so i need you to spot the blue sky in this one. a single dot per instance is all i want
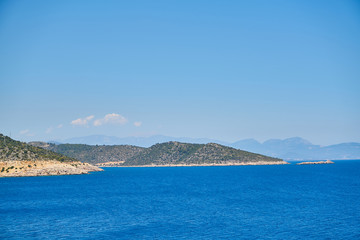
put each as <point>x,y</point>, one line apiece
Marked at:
<point>227,70</point>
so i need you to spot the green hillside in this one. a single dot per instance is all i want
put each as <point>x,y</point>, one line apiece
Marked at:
<point>12,150</point>
<point>93,154</point>
<point>186,153</point>
<point>170,153</point>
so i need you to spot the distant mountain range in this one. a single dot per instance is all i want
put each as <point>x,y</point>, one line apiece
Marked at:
<point>288,149</point>
<point>300,149</point>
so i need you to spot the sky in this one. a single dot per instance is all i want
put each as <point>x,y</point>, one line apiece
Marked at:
<point>226,70</point>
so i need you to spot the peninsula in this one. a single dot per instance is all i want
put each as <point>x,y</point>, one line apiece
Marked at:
<point>162,154</point>
<point>18,159</point>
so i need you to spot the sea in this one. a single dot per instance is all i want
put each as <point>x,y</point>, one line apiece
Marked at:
<point>225,202</point>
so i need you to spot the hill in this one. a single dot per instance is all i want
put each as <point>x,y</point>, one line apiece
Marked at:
<point>12,150</point>
<point>170,153</point>
<point>96,154</point>
<point>176,153</point>
<point>21,159</point>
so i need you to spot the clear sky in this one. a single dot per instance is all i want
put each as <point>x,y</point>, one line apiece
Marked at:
<point>226,70</point>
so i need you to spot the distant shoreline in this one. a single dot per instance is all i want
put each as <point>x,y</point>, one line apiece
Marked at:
<point>204,165</point>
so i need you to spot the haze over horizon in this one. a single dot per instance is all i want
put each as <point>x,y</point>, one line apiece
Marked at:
<point>206,69</point>
<point>147,141</point>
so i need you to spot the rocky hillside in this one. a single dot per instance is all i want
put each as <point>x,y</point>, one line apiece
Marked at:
<point>93,154</point>
<point>175,153</point>
<point>21,159</point>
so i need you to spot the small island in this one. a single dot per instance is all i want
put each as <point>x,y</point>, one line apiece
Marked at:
<point>318,162</point>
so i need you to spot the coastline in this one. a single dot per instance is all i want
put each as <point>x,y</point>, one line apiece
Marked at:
<point>207,165</point>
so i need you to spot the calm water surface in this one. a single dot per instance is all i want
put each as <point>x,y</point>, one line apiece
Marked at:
<point>249,202</point>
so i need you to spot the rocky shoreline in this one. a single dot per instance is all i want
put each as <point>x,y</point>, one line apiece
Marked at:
<point>33,168</point>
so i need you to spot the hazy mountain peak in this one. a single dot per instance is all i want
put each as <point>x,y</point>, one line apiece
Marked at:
<point>248,141</point>
<point>297,140</point>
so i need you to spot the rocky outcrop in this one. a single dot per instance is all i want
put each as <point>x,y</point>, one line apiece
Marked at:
<point>318,162</point>
<point>44,168</point>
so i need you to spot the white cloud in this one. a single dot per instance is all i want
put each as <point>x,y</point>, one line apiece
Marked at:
<point>59,126</point>
<point>137,124</point>
<point>23,132</point>
<point>111,118</point>
<point>82,121</point>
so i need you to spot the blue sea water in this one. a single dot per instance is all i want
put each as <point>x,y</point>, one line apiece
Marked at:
<point>234,202</point>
